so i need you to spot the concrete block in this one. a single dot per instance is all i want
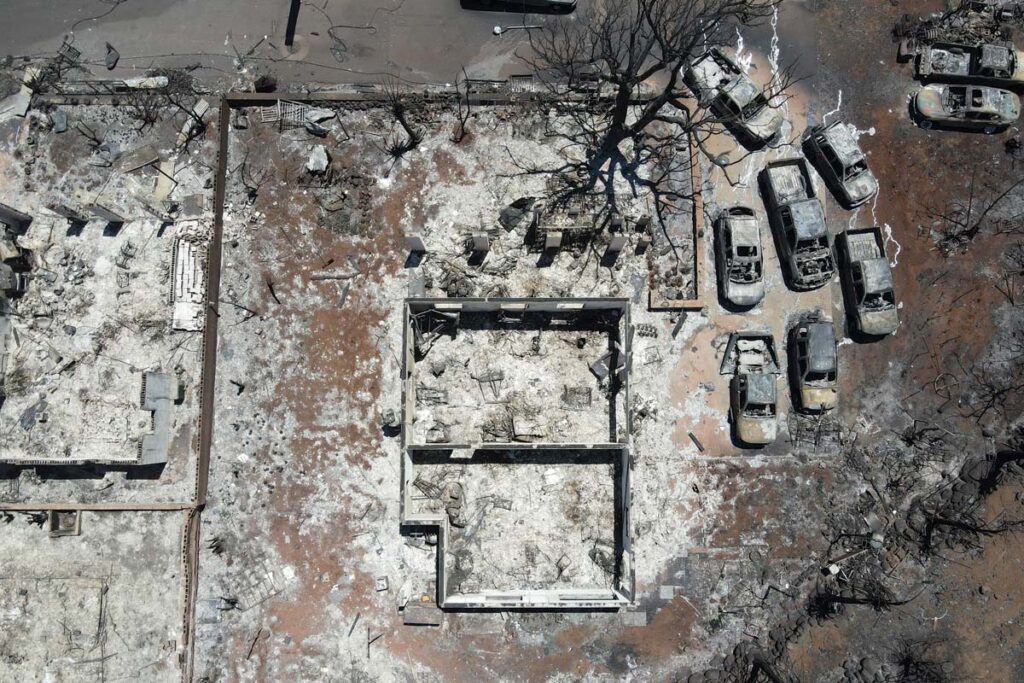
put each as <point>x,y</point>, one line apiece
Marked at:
<point>634,619</point>
<point>106,214</point>
<point>422,614</point>
<point>481,243</point>
<point>415,243</point>
<point>617,244</point>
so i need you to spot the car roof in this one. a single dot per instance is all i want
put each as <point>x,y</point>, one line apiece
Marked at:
<point>808,219</point>
<point>877,275</point>
<point>742,90</point>
<point>840,137</point>
<point>988,99</point>
<point>760,388</point>
<point>821,346</point>
<point>980,98</point>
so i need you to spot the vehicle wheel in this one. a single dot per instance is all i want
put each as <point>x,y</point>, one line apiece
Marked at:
<point>989,130</point>
<point>926,124</point>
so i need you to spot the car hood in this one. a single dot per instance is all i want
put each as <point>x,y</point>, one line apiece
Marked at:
<point>861,188</point>
<point>757,430</point>
<point>818,398</point>
<point>744,294</point>
<point>879,322</point>
<point>928,102</point>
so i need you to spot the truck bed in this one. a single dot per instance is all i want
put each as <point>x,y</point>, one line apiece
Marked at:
<point>864,244</point>
<point>790,181</point>
<point>750,352</point>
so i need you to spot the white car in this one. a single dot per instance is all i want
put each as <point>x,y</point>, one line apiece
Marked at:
<point>739,258</point>
<point>971,107</point>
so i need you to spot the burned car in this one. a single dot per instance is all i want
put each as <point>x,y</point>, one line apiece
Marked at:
<point>835,153</point>
<point>751,360</point>
<point>991,64</point>
<point>739,259</point>
<point>972,107</point>
<point>805,247</point>
<point>813,363</point>
<point>867,281</point>
<point>720,84</point>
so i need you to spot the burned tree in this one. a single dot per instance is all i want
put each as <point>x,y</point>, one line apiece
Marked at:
<point>953,517</point>
<point>148,105</point>
<point>596,70</point>
<point>1011,275</point>
<point>252,177</point>
<point>866,590</point>
<point>462,107</point>
<point>921,661</point>
<point>995,387</point>
<point>398,103</point>
<point>145,106</point>
<point>182,95</point>
<point>989,207</point>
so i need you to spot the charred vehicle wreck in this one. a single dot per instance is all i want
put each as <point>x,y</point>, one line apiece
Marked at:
<point>805,247</point>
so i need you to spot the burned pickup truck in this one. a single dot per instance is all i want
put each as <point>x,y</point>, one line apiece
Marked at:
<point>805,247</point>
<point>990,64</point>
<point>751,360</point>
<point>719,83</point>
<point>867,281</point>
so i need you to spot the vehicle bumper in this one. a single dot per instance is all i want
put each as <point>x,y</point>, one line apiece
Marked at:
<point>817,399</point>
<point>744,295</point>
<point>879,323</point>
<point>757,430</point>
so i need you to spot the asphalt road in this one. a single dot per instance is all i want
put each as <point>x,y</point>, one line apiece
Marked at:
<point>416,40</point>
<point>420,41</point>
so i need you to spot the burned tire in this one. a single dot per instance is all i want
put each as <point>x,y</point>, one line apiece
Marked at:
<point>925,124</point>
<point>989,130</point>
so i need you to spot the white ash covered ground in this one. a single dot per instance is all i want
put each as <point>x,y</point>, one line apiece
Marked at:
<point>97,312</point>
<point>105,605</point>
<point>84,332</point>
<point>303,474</point>
<point>485,185</point>
<point>528,383</point>
<point>541,521</point>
